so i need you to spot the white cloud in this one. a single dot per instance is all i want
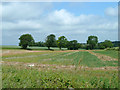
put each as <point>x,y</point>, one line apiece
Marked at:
<point>0,9</point>
<point>62,16</point>
<point>22,11</point>
<point>21,25</point>
<point>66,18</point>
<point>111,11</point>
<point>68,21</point>
<point>19,18</point>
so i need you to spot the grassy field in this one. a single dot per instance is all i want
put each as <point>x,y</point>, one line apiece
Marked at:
<point>58,69</point>
<point>111,53</point>
<point>20,77</point>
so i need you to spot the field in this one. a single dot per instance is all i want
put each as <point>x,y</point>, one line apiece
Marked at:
<point>41,68</point>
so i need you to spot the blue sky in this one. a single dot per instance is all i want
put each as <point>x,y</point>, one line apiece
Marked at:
<point>76,21</point>
<point>96,8</point>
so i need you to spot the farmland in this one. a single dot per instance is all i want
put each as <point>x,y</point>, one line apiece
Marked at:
<point>59,68</point>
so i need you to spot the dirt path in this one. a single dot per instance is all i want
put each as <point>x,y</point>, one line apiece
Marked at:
<point>103,57</point>
<point>13,52</point>
<point>54,66</point>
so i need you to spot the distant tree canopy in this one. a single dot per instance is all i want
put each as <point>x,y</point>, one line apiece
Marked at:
<point>106,44</point>
<point>50,41</point>
<point>116,43</point>
<point>26,40</point>
<point>39,44</point>
<point>62,42</point>
<point>92,42</point>
<point>73,45</point>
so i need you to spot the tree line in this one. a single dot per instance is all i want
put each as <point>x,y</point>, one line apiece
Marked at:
<point>62,42</point>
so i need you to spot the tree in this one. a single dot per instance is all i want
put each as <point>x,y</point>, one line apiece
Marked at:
<point>73,45</point>
<point>50,41</point>
<point>41,44</point>
<point>26,40</point>
<point>61,42</point>
<point>101,45</point>
<point>107,43</point>
<point>92,42</point>
<point>38,44</point>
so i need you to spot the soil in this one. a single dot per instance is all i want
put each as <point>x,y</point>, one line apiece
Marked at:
<point>54,66</point>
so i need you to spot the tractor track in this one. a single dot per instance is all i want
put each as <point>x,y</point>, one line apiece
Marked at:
<point>54,66</point>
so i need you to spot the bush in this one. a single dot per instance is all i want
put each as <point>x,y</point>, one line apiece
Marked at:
<point>114,48</point>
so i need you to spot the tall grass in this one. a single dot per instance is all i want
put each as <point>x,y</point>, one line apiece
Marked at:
<point>16,77</point>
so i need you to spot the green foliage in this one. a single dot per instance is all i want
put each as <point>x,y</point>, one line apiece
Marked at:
<point>17,77</point>
<point>39,44</point>
<point>105,44</point>
<point>13,47</point>
<point>62,42</point>
<point>22,76</point>
<point>34,79</point>
<point>92,42</point>
<point>50,41</point>
<point>73,45</point>
<point>101,46</point>
<point>108,43</point>
<point>26,40</point>
<point>116,43</point>
<point>113,48</point>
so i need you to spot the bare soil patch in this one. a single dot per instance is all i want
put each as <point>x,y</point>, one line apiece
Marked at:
<point>54,66</point>
<point>38,51</point>
<point>12,52</point>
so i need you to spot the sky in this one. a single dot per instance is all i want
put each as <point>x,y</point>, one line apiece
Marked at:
<point>76,21</point>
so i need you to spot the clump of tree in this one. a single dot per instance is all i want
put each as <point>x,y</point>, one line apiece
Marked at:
<point>91,42</point>
<point>50,41</point>
<point>116,43</point>
<point>62,42</point>
<point>26,40</point>
<point>106,44</point>
<point>73,45</point>
<point>38,44</point>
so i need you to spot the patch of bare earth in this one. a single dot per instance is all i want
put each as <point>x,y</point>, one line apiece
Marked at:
<point>39,51</point>
<point>54,66</point>
<point>103,57</point>
<point>12,52</point>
